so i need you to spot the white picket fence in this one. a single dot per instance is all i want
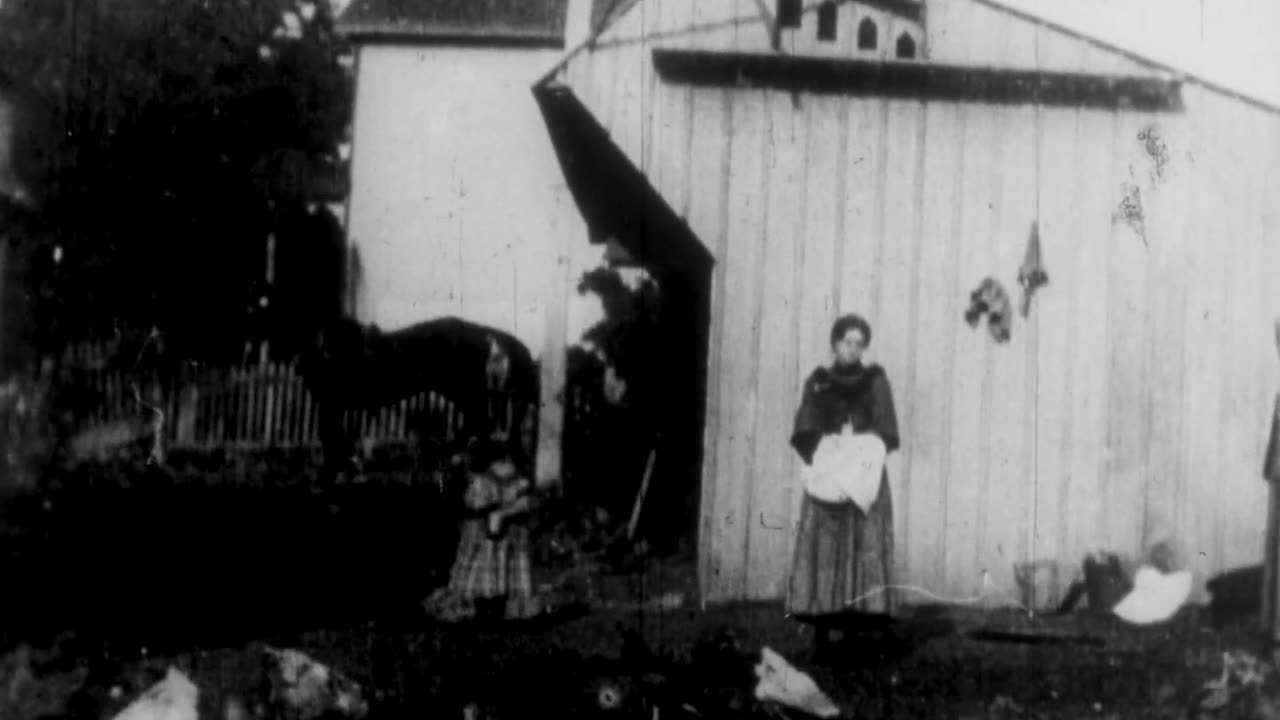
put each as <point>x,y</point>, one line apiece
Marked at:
<point>256,405</point>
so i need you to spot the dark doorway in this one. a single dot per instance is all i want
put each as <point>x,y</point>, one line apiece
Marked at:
<point>668,404</point>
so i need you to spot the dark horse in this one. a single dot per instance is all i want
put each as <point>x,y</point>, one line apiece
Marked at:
<point>359,367</point>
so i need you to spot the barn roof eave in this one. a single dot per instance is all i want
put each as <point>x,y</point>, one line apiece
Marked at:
<point>916,80</point>
<point>1177,73</point>
<point>1141,59</point>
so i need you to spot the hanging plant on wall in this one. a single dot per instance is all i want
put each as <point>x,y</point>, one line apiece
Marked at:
<point>1130,212</point>
<point>1031,274</point>
<point>1158,150</point>
<point>991,300</point>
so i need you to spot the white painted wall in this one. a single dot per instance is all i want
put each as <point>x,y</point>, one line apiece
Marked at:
<point>457,197</point>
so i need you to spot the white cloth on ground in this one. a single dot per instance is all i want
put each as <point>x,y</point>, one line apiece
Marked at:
<point>1155,597</point>
<point>173,698</point>
<point>781,683</point>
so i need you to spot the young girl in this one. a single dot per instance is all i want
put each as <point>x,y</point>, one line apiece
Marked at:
<point>491,574</point>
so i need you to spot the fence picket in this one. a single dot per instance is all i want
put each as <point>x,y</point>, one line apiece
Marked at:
<point>290,406</point>
<point>277,405</point>
<point>227,413</point>
<point>302,400</point>
<point>252,407</point>
<point>250,411</point>
<point>244,409</point>
<point>308,418</point>
<point>218,415</point>
<point>400,414</point>
<point>272,401</point>
<point>234,414</point>
<point>257,408</point>
<point>218,425</point>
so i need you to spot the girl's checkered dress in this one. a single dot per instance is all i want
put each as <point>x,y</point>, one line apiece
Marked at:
<point>489,566</point>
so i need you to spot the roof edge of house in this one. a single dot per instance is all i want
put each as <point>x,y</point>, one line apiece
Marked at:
<point>414,34</point>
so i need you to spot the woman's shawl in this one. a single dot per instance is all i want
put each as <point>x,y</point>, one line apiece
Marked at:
<point>860,396</point>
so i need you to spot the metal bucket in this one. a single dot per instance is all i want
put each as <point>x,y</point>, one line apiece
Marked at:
<point>1038,586</point>
<point>1106,582</point>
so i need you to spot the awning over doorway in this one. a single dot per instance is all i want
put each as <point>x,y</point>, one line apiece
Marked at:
<point>613,195</point>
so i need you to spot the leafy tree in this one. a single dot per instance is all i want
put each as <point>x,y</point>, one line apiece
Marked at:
<point>158,139</point>
<point>610,449</point>
<point>629,337</point>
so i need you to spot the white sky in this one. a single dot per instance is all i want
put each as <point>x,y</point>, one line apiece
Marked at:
<point>1235,43</point>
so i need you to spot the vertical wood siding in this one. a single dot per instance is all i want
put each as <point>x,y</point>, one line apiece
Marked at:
<point>1129,407</point>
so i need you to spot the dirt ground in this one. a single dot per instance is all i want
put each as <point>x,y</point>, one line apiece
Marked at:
<point>937,664</point>
<point>103,589</point>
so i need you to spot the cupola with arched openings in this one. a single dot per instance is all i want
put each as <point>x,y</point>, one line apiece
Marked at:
<point>884,29</point>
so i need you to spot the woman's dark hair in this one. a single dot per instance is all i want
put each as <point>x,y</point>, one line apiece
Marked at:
<point>850,322</point>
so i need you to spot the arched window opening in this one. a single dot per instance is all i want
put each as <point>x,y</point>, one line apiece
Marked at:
<point>789,13</point>
<point>828,14</point>
<point>906,46</point>
<point>867,34</point>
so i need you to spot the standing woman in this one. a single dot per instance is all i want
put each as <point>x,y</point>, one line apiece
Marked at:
<point>843,558</point>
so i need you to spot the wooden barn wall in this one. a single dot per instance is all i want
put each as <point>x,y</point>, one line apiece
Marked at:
<point>1130,406</point>
<point>653,121</point>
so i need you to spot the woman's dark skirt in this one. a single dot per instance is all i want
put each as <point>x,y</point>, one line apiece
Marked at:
<point>843,558</point>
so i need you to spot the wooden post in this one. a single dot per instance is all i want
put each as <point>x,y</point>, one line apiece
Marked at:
<point>267,383</point>
<point>641,494</point>
<point>554,365</point>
